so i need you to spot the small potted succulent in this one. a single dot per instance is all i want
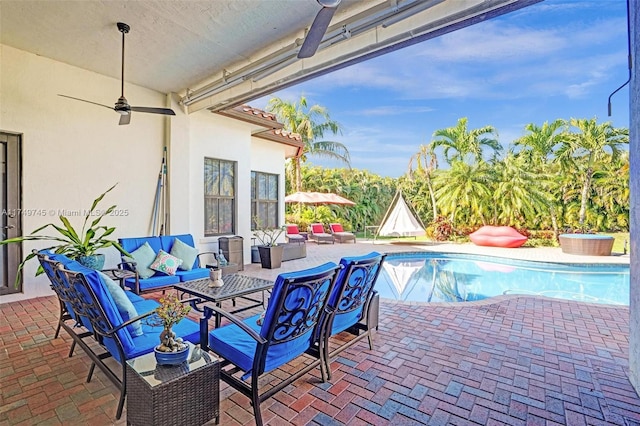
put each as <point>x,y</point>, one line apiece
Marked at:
<point>172,350</point>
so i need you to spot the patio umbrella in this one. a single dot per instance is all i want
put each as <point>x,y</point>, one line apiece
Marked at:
<point>317,198</point>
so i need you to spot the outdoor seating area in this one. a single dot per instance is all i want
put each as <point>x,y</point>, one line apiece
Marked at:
<point>430,363</point>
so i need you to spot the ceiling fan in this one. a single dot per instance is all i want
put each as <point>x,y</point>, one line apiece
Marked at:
<point>318,28</point>
<point>122,106</point>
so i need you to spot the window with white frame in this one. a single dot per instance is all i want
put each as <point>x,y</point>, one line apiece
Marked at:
<point>264,200</point>
<point>219,197</point>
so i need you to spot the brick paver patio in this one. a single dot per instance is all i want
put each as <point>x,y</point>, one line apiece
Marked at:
<point>510,360</point>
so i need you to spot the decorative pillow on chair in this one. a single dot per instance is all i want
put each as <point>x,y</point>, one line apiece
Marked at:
<point>317,229</point>
<point>184,252</point>
<point>143,256</point>
<point>166,263</point>
<point>124,305</point>
<point>336,227</point>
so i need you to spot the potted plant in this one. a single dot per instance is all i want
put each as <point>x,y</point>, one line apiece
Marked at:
<point>270,251</point>
<point>81,246</point>
<point>172,350</point>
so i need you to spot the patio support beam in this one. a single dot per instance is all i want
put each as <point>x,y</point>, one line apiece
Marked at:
<point>634,160</point>
<point>346,43</point>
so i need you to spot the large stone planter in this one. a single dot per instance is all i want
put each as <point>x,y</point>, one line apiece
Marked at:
<point>586,244</point>
<point>271,256</point>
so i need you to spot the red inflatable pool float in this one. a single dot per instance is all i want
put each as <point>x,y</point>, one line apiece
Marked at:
<point>497,236</point>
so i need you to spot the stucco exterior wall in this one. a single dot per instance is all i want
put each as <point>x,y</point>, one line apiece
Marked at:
<point>634,160</point>
<point>73,151</point>
<point>214,136</point>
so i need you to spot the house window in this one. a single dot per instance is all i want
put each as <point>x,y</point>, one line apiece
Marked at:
<point>219,197</point>
<point>264,200</point>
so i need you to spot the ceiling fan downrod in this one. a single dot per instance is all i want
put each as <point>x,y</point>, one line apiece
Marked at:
<point>124,29</point>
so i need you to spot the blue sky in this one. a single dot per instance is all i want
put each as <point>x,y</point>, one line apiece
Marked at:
<point>555,59</point>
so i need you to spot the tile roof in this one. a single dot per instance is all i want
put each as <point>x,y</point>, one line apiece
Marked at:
<point>274,130</point>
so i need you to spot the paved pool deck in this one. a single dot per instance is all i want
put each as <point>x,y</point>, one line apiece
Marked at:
<point>510,360</point>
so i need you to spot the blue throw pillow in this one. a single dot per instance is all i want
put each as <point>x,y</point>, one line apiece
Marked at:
<point>184,251</point>
<point>124,305</point>
<point>144,257</point>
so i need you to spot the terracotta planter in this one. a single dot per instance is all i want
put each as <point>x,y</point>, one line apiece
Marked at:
<point>271,256</point>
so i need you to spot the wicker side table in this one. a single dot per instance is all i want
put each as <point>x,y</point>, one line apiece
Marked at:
<point>168,395</point>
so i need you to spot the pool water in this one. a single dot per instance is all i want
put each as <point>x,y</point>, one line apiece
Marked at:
<point>437,277</point>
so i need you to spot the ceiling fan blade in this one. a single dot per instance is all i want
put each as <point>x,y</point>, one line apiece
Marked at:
<point>316,32</point>
<point>89,102</point>
<point>125,119</point>
<point>151,110</point>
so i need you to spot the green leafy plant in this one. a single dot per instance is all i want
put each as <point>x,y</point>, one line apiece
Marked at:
<point>69,241</point>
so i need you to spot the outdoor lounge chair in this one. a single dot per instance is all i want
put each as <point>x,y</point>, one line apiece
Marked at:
<point>97,309</point>
<point>293,234</point>
<point>318,235</point>
<point>353,306</point>
<point>340,235</point>
<point>287,331</point>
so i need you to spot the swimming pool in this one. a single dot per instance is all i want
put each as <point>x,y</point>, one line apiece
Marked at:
<point>438,277</point>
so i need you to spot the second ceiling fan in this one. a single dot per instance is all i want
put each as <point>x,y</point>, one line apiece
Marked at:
<point>122,106</point>
<point>318,28</point>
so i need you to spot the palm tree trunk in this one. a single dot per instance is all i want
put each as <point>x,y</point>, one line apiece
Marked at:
<point>554,222</point>
<point>298,175</point>
<point>433,198</point>
<point>585,197</point>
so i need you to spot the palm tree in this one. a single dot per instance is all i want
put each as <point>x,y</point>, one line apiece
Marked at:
<point>538,147</point>
<point>426,164</point>
<point>465,142</point>
<point>539,143</point>
<point>583,151</point>
<point>519,195</point>
<point>311,123</point>
<point>464,192</point>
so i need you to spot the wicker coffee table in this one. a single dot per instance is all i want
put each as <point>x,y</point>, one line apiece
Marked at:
<point>188,393</point>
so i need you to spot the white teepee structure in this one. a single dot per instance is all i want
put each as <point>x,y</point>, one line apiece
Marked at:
<point>400,221</point>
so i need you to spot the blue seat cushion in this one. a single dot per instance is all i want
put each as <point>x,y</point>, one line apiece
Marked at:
<point>194,274</point>
<point>188,329</point>
<point>153,282</point>
<point>143,306</point>
<point>134,297</point>
<point>233,344</point>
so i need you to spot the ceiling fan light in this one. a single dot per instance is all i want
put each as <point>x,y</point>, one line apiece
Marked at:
<point>329,3</point>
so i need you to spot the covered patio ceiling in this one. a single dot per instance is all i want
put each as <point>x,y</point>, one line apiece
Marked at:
<point>222,53</point>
